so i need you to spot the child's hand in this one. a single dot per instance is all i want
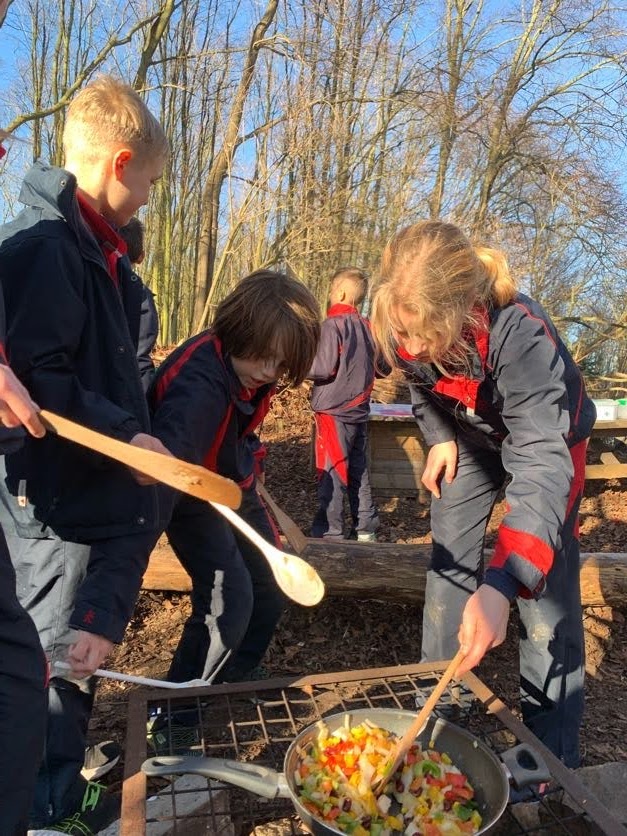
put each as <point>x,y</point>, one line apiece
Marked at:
<point>442,457</point>
<point>147,442</point>
<point>484,625</point>
<point>87,653</point>
<point>16,406</point>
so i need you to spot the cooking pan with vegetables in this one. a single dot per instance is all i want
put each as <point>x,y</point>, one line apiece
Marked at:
<point>451,779</point>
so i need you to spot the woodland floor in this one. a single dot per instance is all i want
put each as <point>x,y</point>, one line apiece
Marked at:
<point>346,634</point>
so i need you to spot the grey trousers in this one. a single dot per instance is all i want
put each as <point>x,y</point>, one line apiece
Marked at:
<point>551,640</point>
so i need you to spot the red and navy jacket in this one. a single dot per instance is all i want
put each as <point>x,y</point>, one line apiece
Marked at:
<point>343,370</point>
<point>201,412</point>
<point>525,398</point>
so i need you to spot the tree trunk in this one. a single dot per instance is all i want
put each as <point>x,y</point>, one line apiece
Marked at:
<point>395,572</point>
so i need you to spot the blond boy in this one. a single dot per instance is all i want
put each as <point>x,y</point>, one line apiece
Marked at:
<point>78,525</point>
<point>343,373</point>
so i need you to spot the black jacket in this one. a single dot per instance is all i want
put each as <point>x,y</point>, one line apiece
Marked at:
<point>72,340</point>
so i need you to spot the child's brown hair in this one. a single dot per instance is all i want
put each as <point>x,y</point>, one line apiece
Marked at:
<point>433,271</point>
<point>133,234</point>
<point>268,314</point>
<point>108,113</point>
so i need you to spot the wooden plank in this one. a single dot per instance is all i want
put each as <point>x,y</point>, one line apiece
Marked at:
<point>610,429</point>
<point>395,481</point>
<point>609,458</point>
<point>396,572</point>
<point>606,471</point>
<point>401,447</point>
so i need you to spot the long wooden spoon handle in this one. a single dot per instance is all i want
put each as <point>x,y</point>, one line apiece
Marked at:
<point>406,741</point>
<point>189,478</point>
<point>294,535</point>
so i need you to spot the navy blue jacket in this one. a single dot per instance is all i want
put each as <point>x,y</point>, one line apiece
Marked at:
<point>72,340</point>
<point>524,398</point>
<point>202,414</point>
<point>343,370</point>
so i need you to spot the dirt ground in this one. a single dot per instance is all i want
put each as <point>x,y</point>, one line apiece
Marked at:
<point>347,634</point>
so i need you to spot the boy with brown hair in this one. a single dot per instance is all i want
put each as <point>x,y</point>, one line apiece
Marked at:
<point>78,525</point>
<point>207,399</point>
<point>133,234</point>
<point>343,374</point>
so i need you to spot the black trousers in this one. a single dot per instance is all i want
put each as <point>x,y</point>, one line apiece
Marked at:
<point>23,704</point>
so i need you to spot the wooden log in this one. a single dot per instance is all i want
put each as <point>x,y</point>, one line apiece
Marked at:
<point>395,572</point>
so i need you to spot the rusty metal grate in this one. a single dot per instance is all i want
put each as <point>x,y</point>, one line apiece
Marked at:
<point>257,722</point>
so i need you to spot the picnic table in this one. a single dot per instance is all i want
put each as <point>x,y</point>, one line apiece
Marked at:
<point>397,452</point>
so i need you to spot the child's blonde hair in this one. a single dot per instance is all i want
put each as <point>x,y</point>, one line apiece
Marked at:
<point>354,277</point>
<point>107,113</point>
<point>433,271</point>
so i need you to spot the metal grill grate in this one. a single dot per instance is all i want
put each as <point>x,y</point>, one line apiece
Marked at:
<point>257,722</point>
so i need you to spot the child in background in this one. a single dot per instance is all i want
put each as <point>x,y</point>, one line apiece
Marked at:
<point>78,525</point>
<point>133,234</point>
<point>343,374</point>
<point>496,395</point>
<point>207,399</point>
<point>23,669</point>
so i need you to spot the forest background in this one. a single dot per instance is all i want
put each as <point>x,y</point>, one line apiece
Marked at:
<point>304,133</point>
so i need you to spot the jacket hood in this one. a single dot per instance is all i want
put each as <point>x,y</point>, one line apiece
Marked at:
<point>52,189</point>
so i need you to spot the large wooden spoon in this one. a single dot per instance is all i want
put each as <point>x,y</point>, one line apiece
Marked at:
<point>189,478</point>
<point>402,747</point>
<point>298,580</point>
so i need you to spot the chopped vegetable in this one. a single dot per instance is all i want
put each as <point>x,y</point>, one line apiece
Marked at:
<point>427,795</point>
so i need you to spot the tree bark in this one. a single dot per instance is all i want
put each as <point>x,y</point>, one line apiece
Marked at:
<point>395,572</point>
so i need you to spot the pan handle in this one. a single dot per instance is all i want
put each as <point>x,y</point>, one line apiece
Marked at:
<point>249,776</point>
<point>525,765</point>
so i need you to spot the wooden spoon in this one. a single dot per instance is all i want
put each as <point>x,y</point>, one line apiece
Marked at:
<point>402,747</point>
<point>189,478</point>
<point>293,534</point>
<point>298,580</point>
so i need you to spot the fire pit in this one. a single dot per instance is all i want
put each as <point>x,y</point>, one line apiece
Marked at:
<point>257,721</point>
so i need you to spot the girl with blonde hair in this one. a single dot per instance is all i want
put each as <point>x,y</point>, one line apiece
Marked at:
<point>501,404</point>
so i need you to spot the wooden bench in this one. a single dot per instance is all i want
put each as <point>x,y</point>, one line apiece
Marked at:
<point>397,452</point>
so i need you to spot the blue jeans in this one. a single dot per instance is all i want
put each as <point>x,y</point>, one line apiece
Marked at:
<point>236,603</point>
<point>551,640</point>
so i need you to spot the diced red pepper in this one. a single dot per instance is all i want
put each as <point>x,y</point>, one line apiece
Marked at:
<point>455,779</point>
<point>435,782</point>
<point>459,794</point>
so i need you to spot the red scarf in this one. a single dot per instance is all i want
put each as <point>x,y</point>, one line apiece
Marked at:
<point>112,245</point>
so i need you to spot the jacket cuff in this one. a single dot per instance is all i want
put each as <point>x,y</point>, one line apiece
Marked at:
<point>502,581</point>
<point>98,621</point>
<point>530,580</point>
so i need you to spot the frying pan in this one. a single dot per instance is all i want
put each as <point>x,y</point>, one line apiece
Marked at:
<point>485,772</point>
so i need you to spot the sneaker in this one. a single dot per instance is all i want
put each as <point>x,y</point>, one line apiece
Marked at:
<point>366,537</point>
<point>98,810</point>
<point>170,737</point>
<point>100,759</point>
